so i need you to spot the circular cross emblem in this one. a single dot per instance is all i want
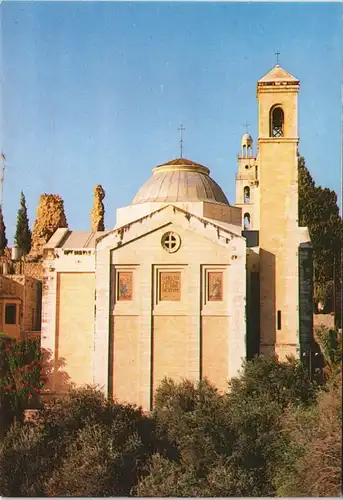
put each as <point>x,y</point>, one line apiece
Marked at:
<point>171,242</point>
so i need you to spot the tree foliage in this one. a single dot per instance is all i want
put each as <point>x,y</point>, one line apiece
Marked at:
<point>21,377</point>
<point>318,210</point>
<point>22,236</point>
<point>3,239</point>
<point>310,438</point>
<point>84,445</point>
<point>264,437</point>
<point>330,342</point>
<point>225,444</point>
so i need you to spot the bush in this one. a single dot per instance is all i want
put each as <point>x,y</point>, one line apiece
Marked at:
<point>311,440</point>
<point>281,382</point>
<point>24,457</point>
<point>84,445</point>
<point>262,438</point>
<point>225,444</point>
<point>21,377</point>
<point>330,342</point>
<point>101,461</point>
<point>166,478</point>
<point>192,418</point>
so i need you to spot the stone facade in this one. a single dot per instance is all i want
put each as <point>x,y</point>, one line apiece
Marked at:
<point>174,337</point>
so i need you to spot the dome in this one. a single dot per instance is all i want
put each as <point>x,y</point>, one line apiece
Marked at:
<point>246,139</point>
<point>180,180</point>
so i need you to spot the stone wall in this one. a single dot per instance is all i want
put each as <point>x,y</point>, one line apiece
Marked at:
<point>10,287</point>
<point>327,320</point>
<point>50,216</point>
<point>30,269</point>
<point>26,289</point>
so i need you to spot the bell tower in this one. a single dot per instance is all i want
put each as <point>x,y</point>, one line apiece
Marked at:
<point>279,235</point>
<point>247,192</point>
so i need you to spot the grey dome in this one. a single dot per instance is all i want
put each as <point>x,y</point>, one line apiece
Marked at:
<point>180,180</point>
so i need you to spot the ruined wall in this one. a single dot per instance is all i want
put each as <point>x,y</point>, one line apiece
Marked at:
<point>326,320</point>
<point>30,269</point>
<point>98,211</point>
<point>50,216</point>
<point>10,287</point>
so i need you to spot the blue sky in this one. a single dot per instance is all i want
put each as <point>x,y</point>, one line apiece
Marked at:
<point>95,92</point>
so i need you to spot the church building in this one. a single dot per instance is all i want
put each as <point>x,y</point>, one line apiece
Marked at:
<point>188,285</point>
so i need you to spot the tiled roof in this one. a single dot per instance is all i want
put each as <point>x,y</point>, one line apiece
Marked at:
<point>278,74</point>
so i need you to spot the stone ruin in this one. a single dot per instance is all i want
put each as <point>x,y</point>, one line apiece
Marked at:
<point>98,210</point>
<point>50,216</point>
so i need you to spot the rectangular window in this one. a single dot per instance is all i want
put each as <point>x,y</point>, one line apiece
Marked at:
<point>170,285</point>
<point>279,320</point>
<point>124,285</point>
<point>11,314</point>
<point>215,286</point>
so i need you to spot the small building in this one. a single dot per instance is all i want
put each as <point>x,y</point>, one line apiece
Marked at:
<point>20,306</point>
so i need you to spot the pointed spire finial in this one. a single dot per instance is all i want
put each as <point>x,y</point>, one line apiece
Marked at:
<point>277,53</point>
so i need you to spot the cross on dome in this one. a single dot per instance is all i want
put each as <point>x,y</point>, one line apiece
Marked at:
<point>181,129</point>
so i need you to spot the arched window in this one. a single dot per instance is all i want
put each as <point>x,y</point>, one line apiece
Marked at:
<point>244,150</point>
<point>246,194</point>
<point>246,222</point>
<point>276,122</point>
<point>249,150</point>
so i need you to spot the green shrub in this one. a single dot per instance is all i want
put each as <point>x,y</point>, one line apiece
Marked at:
<point>311,462</point>
<point>101,461</point>
<point>330,342</point>
<point>258,439</point>
<point>282,382</point>
<point>23,460</point>
<point>166,478</point>
<point>83,445</point>
<point>21,377</point>
<point>225,444</point>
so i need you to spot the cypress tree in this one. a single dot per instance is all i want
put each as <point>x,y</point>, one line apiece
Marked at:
<point>318,210</point>
<point>3,239</point>
<point>22,236</point>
